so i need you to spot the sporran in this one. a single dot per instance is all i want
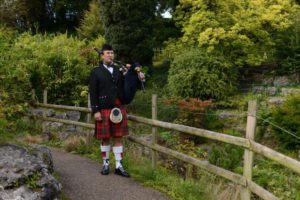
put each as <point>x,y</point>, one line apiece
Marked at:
<point>116,115</point>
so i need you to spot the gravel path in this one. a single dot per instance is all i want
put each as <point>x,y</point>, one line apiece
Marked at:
<point>81,180</point>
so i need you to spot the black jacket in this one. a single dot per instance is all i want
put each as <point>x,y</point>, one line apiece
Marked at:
<point>105,88</point>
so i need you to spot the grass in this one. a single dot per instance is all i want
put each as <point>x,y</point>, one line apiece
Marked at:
<point>163,180</point>
<point>33,139</point>
<point>74,143</point>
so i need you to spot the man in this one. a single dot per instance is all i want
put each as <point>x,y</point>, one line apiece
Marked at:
<point>108,103</point>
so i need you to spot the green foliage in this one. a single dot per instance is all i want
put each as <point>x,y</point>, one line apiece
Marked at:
<point>166,135</point>
<point>163,29</point>
<point>32,181</point>
<point>5,134</point>
<point>280,181</point>
<point>20,13</point>
<point>194,74</point>
<point>176,187</point>
<point>287,116</point>
<point>242,31</point>
<point>212,122</point>
<point>288,45</point>
<point>128,27</point>
<point>91,25</point>
<point>226,156</point>
<point>58,63</point>
<point>42,15</point>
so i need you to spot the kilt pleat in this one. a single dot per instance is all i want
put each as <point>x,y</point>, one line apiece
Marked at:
<point>106,129</point>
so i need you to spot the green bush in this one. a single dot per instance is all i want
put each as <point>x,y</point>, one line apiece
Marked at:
<point>287,116</point>
<point>280,181</point>
<point>227,156</point>
<point>288,48</point>
<point>194,74</point>
<point>59,63</point>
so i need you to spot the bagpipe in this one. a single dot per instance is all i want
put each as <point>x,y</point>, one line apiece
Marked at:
<point>132,79</point>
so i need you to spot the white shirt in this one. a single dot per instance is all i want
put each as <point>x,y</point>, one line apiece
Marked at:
<point>110,69</point>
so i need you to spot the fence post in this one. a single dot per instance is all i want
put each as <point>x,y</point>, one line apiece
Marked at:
<point>88,120</point>
<point>45,101</point>
<point>154,129</point>
<point>248,155</point>
<point>33,95</point>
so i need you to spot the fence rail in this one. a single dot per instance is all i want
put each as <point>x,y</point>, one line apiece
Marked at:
<point>247,143</point>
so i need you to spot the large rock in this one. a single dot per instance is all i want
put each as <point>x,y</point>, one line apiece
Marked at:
<point>27,174</point>
<point>44,154</point>
<point>69,128</point>
<point>268,81</point>
<point>60,115</point>
<point>258,89</point>
<point>73,115</point>
<point>21,193</point>
<point>225,115</point>
<point>271,91</point>
<point>37,112</point>
<point>55,126</point>
<point>276,100</point>
<point>64,135</point>
<point>281,81</point>
<point>50,113</point>
<point>288,91</point>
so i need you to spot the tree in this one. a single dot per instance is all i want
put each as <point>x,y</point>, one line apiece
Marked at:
<point>67,13</point>
<point>128,27</point>
<point>241,30</point>
<point>22,14</point>
<point>91,25</point>
<point>44,15</point>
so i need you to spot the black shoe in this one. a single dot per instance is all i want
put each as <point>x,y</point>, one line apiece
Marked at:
<point>121,171</point>
<point>105,170</point>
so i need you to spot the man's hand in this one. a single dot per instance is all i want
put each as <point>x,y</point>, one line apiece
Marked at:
<point>141,75</point>
<point>97,116</point>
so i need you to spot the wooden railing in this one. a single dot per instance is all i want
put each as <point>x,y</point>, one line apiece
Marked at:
<point>247,143</point>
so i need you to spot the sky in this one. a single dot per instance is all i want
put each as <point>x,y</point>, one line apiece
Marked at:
<point>167,14</point>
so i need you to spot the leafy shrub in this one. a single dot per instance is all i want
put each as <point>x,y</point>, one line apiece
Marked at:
<point>194,74</point>
<point>212,122</point>
<point>59,63</point>
<point>280,181</point>
<point>287,116</point>
<point>288,45</point>
<point>191,112</point>
<point>227,156</point>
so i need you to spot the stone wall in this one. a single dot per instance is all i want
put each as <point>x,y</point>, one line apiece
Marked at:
<point>59,130</point>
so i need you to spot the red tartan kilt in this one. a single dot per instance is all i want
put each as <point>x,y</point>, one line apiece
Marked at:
<point>106,129</point>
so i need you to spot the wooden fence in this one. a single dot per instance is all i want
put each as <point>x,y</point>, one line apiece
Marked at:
<point>247,143</point>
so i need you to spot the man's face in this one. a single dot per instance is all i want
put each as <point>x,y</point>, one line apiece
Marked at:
<point>107,56</point>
